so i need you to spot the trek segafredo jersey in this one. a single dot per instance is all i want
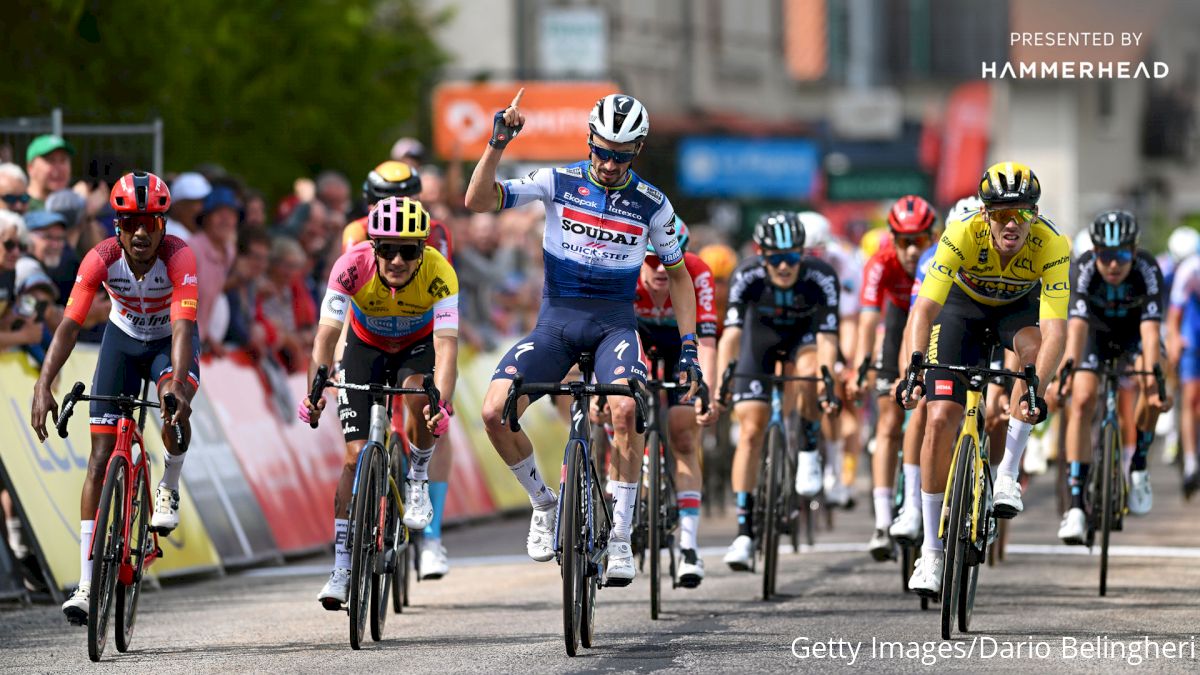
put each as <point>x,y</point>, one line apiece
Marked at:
<point>596,236</point>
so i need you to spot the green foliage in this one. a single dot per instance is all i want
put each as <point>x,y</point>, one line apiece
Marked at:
<point>270,89</point>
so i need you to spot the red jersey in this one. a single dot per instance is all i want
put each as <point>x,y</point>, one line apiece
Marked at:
<point>653,319</point>
<point>885,278</point>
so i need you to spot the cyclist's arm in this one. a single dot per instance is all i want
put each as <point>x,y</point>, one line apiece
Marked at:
<point>827,350</point>
<point>727,349</point>
<point>920,321</point>
<point>1054,342</point>
<point>483,192</point>
<point>1174,335</point>
<point>868,326</point>
<point>445,340</point>
<point>683,298</point>
<point>1077,330</point>
<point>324,344</point>
<point>92,272</point>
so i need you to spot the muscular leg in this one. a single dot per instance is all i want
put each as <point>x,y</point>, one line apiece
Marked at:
<point>941,426</point>
<point>685,445</point>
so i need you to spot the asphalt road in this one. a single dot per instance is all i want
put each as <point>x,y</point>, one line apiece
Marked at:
<point>497,611</point>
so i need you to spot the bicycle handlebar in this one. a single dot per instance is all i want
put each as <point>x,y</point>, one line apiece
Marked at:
<point>68,408</point>
<point>829,397</point>
<point>321,380</point>
<point>314,394</point>
<point>918,363</point>
<point>125,402</point>
<point>863,369</point>
<point>1157,372</point>
<point>520,388</point>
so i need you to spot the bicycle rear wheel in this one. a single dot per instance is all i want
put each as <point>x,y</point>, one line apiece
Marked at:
<point>1109,484</point>
<point>573,547</point>
<point>107,541</point>
<point>956,545</point>
<point>139,547</point>
<point>381,583</point>
<point>362,552</point>
<point>773,514</point>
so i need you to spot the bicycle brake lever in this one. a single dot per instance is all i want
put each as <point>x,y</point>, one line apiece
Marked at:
<point>1063,374</point>
<point>68,409</point>
<point>318,385</point>
<point>1158,380</point>
<point>171,405</point>
<point>830,395</point>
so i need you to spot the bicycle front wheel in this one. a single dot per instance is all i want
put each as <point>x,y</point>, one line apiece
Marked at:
<point>775,511</point>
<point>381,582</point>
<point>1109,485</point>
<point>958,531</point>
<point>140,546</point>
<point>362,536</point>
<point>655,511</point>
<point>574,547</point>
<point>107,542</point>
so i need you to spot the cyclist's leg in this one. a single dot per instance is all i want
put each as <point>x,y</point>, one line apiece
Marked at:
<point>808,460</point>
<point>161,369</point>
<point>889,427</point>
<point>1141,496</point>
<point>1189,374</point>
<point>618,360</point>
<point>408,367</point>
<point>1017,330</point>
<point>1085,384</point>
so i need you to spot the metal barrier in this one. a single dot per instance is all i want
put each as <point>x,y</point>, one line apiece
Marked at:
<point>102,151</point>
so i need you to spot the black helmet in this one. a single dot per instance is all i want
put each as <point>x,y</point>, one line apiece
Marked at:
<point>1114,229</point>
<point>779,230</point>
<point>1009,184</point>
<point>391,179</point>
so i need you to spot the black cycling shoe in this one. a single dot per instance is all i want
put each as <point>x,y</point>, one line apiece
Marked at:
<point>1191,483</point>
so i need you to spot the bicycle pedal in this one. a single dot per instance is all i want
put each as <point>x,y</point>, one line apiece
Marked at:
<point>332,605</point>
<point>162,531</point>
<point>77,618</point>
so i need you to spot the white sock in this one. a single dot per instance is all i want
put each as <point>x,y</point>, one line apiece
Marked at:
<point>1127,458</point>
<point>526,472</point>
<point>689,518</point>
<point>931,515</point>
<point>912,487</point>
<point>341,547</point>
<point>86,527</point>
<point>836,456</point>
<point>1018,435</point>
<point>624,496</point>
<point>418,463</point>
<point>15,541</point>
<point>172,469</point>
<point>1189,464</point>
<point>883,507</point>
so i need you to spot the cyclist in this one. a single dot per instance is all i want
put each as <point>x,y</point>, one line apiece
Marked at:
<point>1117,300</point>
<point>1183,348</point>
<point>722,261</point>
<point>985,276</point>
<point>780,301</point>
<point>399,179</point>
<point>889,275</point>
<point>152,335</point>
<point>658,330</point>
<point>600,216</point>
<point>401,297</point>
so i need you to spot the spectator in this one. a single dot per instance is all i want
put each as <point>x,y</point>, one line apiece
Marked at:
<point>286,307</point>
<point>16,327</point>
<point>187,199</point>
<point>254,211</point>
<point>333,190</point>
<point>48,162</point>
<point>484,270</point>
<point>14,188</point>
<point>410,151</point>
<point>215,246</point>
<point>47,235</point>
<point>245,279</point>
<point>71,207</point>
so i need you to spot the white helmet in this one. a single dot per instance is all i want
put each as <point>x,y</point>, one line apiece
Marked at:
<point>1183,242</point>
<point>817,229</point>
<point>618,118</point>
<point>1083,243</point>
<point>964,206</point>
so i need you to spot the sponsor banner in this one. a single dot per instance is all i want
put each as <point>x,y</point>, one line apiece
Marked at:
<point>48,477</point>
<point>726,166</point>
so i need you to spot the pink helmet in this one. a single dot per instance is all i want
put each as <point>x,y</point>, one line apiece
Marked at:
<point>398,218</point>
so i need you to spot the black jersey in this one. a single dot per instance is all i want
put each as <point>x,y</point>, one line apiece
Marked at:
<point>1119,308</point>
<point>812,303</point>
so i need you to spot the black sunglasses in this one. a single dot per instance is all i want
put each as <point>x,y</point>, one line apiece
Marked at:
<point>604,154</point>
<point>17,199</point>
<point>405,251</point>
<point>11,244</point>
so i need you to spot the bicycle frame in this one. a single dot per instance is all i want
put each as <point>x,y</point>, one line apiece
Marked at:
<point>972,427</point>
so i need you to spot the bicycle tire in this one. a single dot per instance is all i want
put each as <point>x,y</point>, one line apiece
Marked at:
<point>106,551</point>
<point>655,524</point>
<point>955,544</point>
<point>772,518</point>
<point>908,561</point>
<point>1110,447</point>
<point>591,581</point>
<point>362,542</point>
<point>127,599</point>
<point>381,583</point>
<point>572,547</point>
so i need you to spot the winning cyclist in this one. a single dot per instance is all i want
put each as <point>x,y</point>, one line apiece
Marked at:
<point>1117,300</point>
<point>780,302</point>
<point>889,275</point>
<point>152,335</point>
<point>600,215</point>
<point>401,297</point>
<point>985,275</point>
<point>659,330</point>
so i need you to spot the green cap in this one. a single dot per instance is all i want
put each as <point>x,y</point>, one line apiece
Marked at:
<point>46,144</point>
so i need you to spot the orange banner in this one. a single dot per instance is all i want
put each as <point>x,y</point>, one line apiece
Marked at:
<point>556,116</point>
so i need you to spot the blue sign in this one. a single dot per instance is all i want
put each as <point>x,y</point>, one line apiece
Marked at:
<point>723,166</point>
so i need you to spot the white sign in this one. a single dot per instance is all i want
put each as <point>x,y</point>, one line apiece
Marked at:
<point>573,42</point>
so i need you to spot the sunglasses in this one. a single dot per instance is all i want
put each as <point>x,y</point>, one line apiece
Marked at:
<point>604,154</point>
<point>907,240</point>
<point>151,221</point>
<point>1110,255</point>
<point>13,200</point>
<point>1022,216</point>
<point>405,251</point>
<point>776,259</point>
<point>11,244</point>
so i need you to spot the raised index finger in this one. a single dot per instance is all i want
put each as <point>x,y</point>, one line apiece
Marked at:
<point>517,99</point>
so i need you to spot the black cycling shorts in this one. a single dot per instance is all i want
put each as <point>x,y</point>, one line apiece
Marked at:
<point>1103,345</point>
<point>757,356</point>
<point>887,369</point>
<point>126,361</point>
<point>365,364</point>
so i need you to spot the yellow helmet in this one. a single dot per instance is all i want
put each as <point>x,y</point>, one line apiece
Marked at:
<point>872,240</point>
<point>398,218</point>
<point>1009,184</point>
<point>391,179</point>
<point>720,259</point>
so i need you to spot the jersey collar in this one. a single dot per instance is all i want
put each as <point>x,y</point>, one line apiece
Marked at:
<point>622,186</point>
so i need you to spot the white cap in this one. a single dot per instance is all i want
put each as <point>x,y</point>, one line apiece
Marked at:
<point>190,185</point>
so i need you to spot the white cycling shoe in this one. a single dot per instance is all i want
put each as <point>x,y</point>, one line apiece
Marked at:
<point>434,564</point>
<point>1006,497</point>
<point>926,578</point>
<point>166,510</point>
<point>540,542</point>
<point>418,509</point>
<point>1073,529</point>
<point>620,570</point>
<point>740,556</point>
<point>907,528</point>
<point>1141,497</point>
<point>76,606</point>
<point>691,568</point>
<point>333,595</point>
<point>808,474</point>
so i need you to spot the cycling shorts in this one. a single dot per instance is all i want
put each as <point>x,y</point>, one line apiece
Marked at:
<point>364,363</point>
<point>125,362</point>
<point>1104,345</point>
<point>887,369</point>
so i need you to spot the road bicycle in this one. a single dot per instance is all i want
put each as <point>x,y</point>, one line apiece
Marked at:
<point>969,527</point>
<point>378,539</point>
<point>584,516</point>
<point>123,543</point>
<point>777,507</point>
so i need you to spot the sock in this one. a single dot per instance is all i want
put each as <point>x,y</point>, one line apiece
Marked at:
<point>341,547</point>
<point>1018,435</point>
<point>526,472</point>
<point>912,487</point>
<point>418,463</point>
<point>836,454</point>
<point>437,497</point>
<point>1076,479</point>
<point>86,527</point>
<point>849,468</point>
<point>883,507</point>
<point>15,541</point>
<point>1126,457</point>
<point>745,513</point>
<point>1189,464</point>
<point>931,515</point>
<point>624,496</point>
<point>1144,439</point>
<point>172,469</point>
<point>812,434</point>
<point>689,518</point>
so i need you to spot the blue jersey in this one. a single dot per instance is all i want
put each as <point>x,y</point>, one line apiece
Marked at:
<point>596,236</point>
<point>922,268</point>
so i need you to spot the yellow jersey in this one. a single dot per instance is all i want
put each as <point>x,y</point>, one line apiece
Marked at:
<point>967,258</point>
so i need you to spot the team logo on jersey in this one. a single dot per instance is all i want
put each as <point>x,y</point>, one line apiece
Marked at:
<point>438,288</point>
<point>521,349</point>
<point>943,387</point>
<point>583,190</point>
<point>189,304</point>
<point>348,278</point>
<point>188,280</point>
<point>654,195</point>
<point>618,370</point>
<point>620,349</point>
<point>511,370</point>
